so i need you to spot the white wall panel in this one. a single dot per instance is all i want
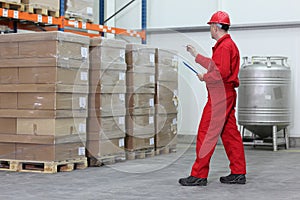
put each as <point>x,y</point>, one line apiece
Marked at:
<point>131,16</point>
<point>258,11</point>
<point>178,13</point>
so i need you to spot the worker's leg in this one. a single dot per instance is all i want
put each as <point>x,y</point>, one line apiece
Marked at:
<point>232,140</point>
<point>210,127</point>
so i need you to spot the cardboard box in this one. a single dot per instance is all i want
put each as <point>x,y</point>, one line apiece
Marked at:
<point>167,57</point>
<point>140,79</point>
<point>167,73</point>
<point>55,127</point>
<point>43,62</point>
<point>104,128</point>
<point>56,44</point>
<point>108,77</point>
<point>42,139</point>
<point>57,152</point>
<point>107,104</point>
<point>106,147</point>
<point>8,101</point>
<point>52,5</point>
<point>8,126</point>
<point>140,55</point>
<point>137,101</point>
<point>48,88</point>
<point>104,50</point>
<point>51,75</point>
<point>7,150</point>
<point>140,125</point>
<point>165,140</point>
<point>80,8</point>
<point>9,50</point>
<point>52,101</point>
<point>137,143</point>
<point>42,114</point>
<point>166,100</point>
<point>8,75</point>
<point>166,123</point>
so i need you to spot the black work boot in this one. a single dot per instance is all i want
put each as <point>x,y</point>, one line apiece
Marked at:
<point>193,181</point>
<point>234,179</point>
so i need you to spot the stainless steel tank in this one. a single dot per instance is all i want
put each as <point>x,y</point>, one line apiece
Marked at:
<point>264,95</point>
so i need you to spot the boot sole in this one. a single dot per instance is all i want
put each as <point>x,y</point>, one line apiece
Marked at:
<point>234,182</point>
<point>193,184</point>
<point>202,184</point>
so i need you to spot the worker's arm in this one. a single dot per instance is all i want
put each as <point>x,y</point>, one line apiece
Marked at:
<point>221,70</point>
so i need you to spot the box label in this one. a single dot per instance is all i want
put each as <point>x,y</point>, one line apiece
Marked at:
<point>122,76</point>
<point>84,52</point>
<point>175,61</point>
<point>121,142</point>
<point>174,122</point>
<point>121,120</point>
<point>82,102</point>
<point>151,102</point>
<point>122,55</point>
<point>81,151</point>
<point>175,92</point>
<point>152,58</point>
<point>152,79</point>
<point>82,128</point>
<point>122,97</point>
<point>151,120</point>
<point>84,76</point>
<point>151,141</point>
<point>89,11</point>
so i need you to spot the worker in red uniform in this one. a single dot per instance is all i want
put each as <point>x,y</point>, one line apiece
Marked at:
<point>218,116</point>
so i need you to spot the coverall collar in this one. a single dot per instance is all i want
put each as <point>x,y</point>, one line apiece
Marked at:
<point>221,40</point>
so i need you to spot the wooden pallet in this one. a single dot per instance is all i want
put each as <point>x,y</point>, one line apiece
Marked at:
<point>46,167</point>
<point>76,17</point>
<point>38,9</point>
<point>106,160</point>
<point>12,6</point>
<point>140,154</point>
<point>165,150</point>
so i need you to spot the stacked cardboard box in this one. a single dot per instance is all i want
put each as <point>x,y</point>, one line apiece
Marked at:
<point>52,5</point>
<point>80,9</point>
<point>12,1</point>
<point>43,96</point>
<point>140,61</point>
<point>106,122</point>
<point>166,100</point>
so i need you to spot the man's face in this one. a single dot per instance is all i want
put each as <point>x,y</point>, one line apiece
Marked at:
<point>213,31</point>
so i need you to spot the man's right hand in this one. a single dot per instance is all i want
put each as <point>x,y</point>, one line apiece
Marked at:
<point>192,50</point>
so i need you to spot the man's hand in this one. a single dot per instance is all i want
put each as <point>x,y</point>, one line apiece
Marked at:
<point>192,50</point>
<point>200,76</point>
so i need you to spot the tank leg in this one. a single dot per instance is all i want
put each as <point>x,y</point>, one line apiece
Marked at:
<point>242,131</point>
<point>286,136</point>
<point>274,138</point>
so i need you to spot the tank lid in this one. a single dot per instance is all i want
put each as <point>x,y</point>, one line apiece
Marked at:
<point>267,60</point>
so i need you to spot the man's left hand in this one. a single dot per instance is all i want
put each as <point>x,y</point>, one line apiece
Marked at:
<point>200,76</point>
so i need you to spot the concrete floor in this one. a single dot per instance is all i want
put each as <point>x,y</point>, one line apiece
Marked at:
<point>271,175</point>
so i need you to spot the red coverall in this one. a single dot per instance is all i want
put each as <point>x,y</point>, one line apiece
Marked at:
<point>219,112</point>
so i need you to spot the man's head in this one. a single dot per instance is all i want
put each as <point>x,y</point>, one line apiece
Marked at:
<point>219,24</point>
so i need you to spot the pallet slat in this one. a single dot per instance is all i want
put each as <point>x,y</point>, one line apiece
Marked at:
<point>43,167</point>
<point>106,160</point>
<point>37,9</point>
<point>140,154</point>
<point>12,5</point>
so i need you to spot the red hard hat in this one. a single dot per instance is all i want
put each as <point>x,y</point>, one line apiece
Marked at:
<point>220,17</point>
